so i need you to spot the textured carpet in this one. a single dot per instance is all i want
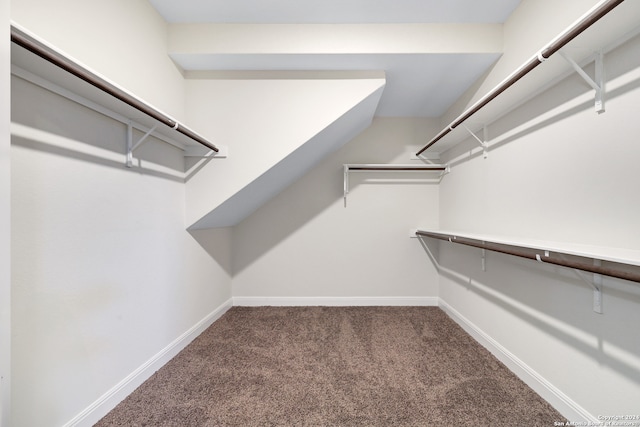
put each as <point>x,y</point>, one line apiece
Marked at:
<point>333,366</point>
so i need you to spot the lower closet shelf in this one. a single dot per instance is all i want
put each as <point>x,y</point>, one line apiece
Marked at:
<point>618,260</point>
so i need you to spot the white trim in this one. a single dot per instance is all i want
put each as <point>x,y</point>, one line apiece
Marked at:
<point>560,401</point>
<point>101,407</point>
<point>334,301</point>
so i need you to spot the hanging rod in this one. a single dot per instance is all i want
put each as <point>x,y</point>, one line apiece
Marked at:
<point>392,167</point>
<point>525,252</point>
<point>29,42</point>
<point>558,43</point>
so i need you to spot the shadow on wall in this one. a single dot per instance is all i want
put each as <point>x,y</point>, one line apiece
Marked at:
<point>51,144</point>
<point>217,243</point>
<point>385,140</point>
<point>549,298</point>
<point>523,119</point>
<point>44,121</point>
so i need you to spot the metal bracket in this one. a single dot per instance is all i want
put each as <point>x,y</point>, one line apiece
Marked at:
<point>346,184</point>
<point>598,83</point>
<point>482,142</point>
<point>131,147</point>
<point>198,151</point>
<point>597,289</point>
<point>539,259</point>
<point>596,283</point>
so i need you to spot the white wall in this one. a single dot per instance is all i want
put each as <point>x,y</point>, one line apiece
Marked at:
<point>304,243</point>
<point>104,275</point>
<point>557,171</point>
<point>123,40</point>
<point>5,214</point>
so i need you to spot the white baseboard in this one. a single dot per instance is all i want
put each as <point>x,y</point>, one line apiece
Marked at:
<point>111,398</point>
<point>334,301</point>
<point>560,401</point>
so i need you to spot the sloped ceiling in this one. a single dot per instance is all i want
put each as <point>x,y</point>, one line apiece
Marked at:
<point>431,51</point>
<point>292,165</point>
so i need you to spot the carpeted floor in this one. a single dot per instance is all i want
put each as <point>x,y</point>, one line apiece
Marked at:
<point>333,366</point>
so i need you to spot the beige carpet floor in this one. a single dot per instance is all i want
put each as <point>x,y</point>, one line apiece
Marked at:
<point>333,366</point>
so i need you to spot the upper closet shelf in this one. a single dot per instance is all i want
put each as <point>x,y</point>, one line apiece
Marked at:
<point>40,63</point>
<point>599,31</point>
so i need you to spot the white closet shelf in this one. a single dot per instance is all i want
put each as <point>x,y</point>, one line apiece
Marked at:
<point>545,249</point>
<point>36,61</point>
<point>587,39</point>
<point>389,167</point>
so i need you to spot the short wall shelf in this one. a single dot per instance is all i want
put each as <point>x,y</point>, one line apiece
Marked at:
<point>350,167</point>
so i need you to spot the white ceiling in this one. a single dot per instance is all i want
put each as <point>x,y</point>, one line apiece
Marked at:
<point>419,83</point>
<point>335,11</point>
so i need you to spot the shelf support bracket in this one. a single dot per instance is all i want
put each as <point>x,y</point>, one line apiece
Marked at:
<point>596,283</point>
<point>129,159</point>
<point>131,147</point>
<point>598,83</point>
<point>346,184</point>
<point>482,142</point>
<point>597,289</point>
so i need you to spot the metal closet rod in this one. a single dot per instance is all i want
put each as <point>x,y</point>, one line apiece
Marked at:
<point>558,43</point>
<point>521,252</point>
<point>392,168</point>
<point>21,39</point>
